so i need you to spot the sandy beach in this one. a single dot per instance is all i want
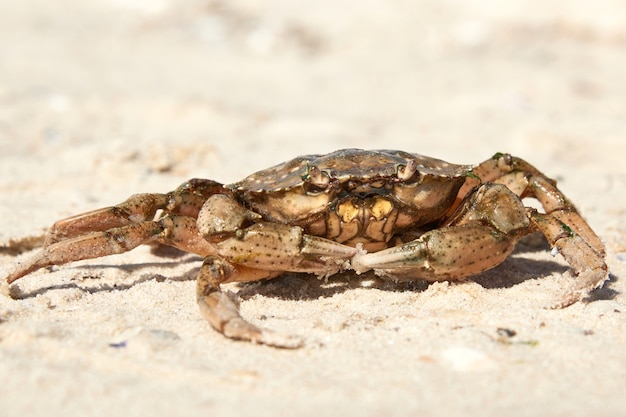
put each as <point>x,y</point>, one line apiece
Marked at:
<point>103,99</point>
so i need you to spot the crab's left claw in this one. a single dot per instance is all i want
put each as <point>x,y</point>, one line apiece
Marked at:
<point>482,234</point>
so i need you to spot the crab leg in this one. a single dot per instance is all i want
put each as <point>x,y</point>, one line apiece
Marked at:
<point>223,313</point>
<point>558,207</point>
<point>527,181</point>
<point>186,200</point>
<point>562,225</point>
<point>589,267</point>
<point>178,231</point>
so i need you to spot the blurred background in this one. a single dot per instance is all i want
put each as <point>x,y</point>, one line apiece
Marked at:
<point>103,98</point>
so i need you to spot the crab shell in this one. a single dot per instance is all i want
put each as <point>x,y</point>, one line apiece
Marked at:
<point>355,196</point>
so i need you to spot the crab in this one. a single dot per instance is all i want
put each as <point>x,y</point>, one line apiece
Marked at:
<point>402,215</point>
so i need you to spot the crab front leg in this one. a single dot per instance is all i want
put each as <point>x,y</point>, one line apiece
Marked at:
<point>249,249</point>
<point>479,236</point>
<point>223,313</point>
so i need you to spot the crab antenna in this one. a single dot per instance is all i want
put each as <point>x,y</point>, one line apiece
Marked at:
<point>405,172</point>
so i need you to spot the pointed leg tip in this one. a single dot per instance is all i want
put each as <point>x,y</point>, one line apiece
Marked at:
<point>14,275</point>
<point>279,340</point>
<point>239,329</point>
<point>568,300</point>
<point>22,269</point>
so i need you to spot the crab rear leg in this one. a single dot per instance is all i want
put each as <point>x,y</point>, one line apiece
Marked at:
<point>570,235</point>
<point>527,181</point>
<point>562,225</point>
<point>557,206</point>
<point>186,200</point>
<point>177,231</point>
<point>589,267</point>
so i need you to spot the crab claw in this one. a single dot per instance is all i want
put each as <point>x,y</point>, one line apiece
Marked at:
<point>279,247</point>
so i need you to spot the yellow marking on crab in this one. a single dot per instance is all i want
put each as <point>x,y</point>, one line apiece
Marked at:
<point>348,211</point>
<point>381,208</point>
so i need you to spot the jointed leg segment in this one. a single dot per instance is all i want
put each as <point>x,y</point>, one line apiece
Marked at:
<point>588,265</point>
<point>223,313</point>
<point>186,200</point>
<point>177,231</point>
<point>561,224</point>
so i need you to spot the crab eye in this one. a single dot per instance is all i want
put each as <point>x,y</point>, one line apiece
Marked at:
<point>407,172</point>
<point>316,181</point>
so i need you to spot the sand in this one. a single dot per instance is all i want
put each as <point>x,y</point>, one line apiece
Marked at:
<point>103,99</point>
